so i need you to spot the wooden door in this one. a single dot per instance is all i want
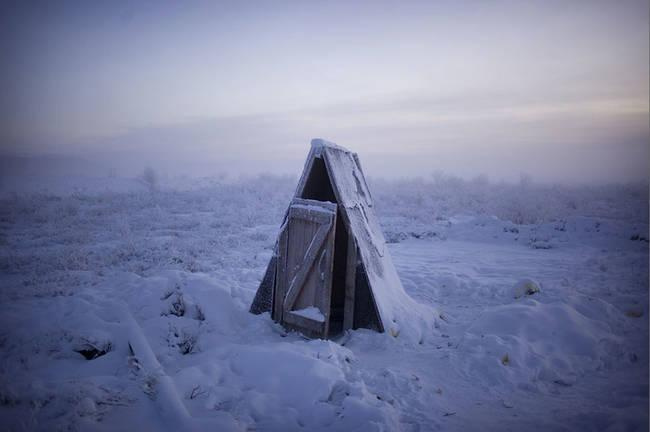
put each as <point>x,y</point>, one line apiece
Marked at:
<point>304,274</point>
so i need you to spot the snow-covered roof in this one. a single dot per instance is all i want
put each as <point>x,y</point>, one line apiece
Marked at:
<point>318,144</point>
<point>395,307</point>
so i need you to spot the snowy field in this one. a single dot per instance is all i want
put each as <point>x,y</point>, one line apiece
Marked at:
<point>124,306</point>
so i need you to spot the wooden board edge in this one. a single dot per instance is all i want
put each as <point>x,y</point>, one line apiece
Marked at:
<point>350,284</point>
<point>280,274</point>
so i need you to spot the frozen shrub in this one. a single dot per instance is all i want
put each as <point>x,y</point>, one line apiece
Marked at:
<point>185,340</point>
<point>177,306</point>
<point>189,227</point>
<point>150,179</point>
<point>187,343</point>
<point>524,202</point>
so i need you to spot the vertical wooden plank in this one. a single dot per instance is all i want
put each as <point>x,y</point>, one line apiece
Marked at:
<point>326,291</point>
<point>350,278</point>
<point>280,282</point>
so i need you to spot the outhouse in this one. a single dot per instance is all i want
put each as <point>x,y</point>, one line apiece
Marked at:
<point>331,270</point>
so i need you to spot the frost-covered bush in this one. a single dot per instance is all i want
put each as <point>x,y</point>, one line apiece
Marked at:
<point>150,179</point>
<point>210,224</point>
<point>525,202</point>
<point>54,237</point>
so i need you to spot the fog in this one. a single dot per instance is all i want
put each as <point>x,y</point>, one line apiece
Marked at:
<point>556,90</point>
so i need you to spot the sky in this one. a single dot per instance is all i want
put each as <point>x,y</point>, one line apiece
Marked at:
<point>554,89</point>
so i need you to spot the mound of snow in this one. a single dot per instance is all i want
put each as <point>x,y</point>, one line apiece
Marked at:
<point>525,287</point>
<point>544,343</point>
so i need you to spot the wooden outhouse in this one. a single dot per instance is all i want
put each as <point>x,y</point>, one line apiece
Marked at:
<point>331,270</point>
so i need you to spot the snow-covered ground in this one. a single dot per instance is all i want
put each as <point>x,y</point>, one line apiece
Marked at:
<point>125,306</point>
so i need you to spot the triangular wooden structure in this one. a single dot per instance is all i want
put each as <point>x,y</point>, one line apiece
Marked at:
<point>331,270</point>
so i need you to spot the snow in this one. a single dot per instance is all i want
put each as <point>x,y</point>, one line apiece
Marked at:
<point>320,144</point>
<point>311,312</point>
<point>158,283</point>
<point>525,287</point>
